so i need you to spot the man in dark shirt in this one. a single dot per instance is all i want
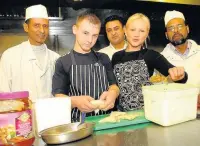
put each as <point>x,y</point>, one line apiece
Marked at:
<point>134,66</point>
<point>83,74</point>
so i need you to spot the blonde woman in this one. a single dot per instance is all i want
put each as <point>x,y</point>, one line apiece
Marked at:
<point>135,65</point>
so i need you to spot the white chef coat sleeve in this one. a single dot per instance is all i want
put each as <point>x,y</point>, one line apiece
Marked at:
<point>5,73</point>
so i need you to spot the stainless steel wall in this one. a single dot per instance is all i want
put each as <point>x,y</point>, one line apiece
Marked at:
<point>61,38</point>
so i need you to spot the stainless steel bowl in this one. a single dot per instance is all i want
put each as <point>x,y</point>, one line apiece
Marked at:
<point>66,133</point>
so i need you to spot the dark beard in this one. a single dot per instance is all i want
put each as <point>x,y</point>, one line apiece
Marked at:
<point>179,42</point>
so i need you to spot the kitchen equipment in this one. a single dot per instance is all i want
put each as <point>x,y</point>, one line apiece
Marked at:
<point>66,133</point>
<point>77,124</point>
<point>51,112</point>
<point>101,126</point>
<point>169,104</point>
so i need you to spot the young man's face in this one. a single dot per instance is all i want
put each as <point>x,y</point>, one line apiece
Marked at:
<point>115,32</point>
<point>38,30</point>
<point>86,35</point>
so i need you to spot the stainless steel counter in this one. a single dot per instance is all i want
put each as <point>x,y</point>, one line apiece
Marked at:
<point>149,134</point>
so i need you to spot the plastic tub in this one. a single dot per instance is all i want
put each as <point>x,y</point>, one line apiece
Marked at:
<point>169,104</point>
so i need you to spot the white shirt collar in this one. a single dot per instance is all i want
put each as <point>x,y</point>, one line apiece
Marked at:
<point>185,54</point>
<point>124,47</point>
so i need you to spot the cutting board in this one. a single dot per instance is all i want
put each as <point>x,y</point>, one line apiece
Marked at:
<point>101,126</point>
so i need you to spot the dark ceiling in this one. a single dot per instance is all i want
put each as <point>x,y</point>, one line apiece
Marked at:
<point>154,10</point>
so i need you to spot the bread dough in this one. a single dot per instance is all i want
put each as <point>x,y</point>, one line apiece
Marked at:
<point>117,116</point>
<point>99,104</point>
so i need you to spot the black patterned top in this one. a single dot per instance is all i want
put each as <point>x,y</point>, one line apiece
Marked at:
<point>132,70</point>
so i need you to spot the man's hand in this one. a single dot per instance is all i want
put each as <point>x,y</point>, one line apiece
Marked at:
<point>109,97</point>
<point>176,73</point>
<point>60,95</point>
<point>83,103</point>
<point>109,100</point>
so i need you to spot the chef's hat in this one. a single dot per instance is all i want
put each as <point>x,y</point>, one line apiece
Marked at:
<point>169,15</point>
<point>36,11</point>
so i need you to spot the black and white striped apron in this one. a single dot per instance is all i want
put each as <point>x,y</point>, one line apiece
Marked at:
<point>87,80</point>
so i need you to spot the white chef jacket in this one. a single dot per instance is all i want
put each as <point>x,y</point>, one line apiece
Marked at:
<point>110,50</point>
<point>20,71</point>
<point>191,62</point>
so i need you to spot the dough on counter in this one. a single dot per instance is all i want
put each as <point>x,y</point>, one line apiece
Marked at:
<point>109,120</point>
<point>117,116</point>
<point>117,113</point>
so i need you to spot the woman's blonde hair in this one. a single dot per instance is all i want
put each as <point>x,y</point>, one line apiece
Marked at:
<point>139,16</point>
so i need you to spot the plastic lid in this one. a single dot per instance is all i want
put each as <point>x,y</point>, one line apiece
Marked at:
<point>170,87</point>
<point>14,95</point>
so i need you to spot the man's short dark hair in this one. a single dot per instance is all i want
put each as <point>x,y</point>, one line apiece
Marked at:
<point>113,18</point>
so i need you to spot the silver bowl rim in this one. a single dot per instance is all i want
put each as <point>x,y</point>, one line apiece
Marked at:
<point>64,133</point>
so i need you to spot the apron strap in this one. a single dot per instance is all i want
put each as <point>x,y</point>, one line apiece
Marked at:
<point>74,60</point>
<point>72,57</point>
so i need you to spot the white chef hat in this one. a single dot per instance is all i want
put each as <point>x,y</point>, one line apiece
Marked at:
<point>169,15</point>
<point>36,11</point>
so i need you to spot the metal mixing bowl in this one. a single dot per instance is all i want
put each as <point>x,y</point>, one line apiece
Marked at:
<point>66,133</point>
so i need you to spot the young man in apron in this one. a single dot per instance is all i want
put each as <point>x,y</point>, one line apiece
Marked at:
<point>83,74</point>
<point>134,66</point>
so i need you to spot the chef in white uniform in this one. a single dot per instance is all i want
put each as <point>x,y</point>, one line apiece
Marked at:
<point>30,65</point>
<point>182,51</point>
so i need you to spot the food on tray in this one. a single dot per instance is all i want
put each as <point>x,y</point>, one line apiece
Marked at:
<point>109,120</point>
<point>117,116</point>
<point>158,78</point>
<point>99,104</point>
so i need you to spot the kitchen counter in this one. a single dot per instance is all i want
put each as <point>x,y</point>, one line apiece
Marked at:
<point>148,134</point>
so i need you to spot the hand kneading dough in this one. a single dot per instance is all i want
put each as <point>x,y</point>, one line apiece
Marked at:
<point>99,104</point>
<point>117,116</point>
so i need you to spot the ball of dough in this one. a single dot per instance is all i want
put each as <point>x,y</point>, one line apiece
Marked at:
<point>99,104</point>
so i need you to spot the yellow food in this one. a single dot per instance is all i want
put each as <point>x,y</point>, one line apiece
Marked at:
<point>158,78</point>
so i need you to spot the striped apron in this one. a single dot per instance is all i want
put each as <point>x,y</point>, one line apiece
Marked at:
<point>88,80</point>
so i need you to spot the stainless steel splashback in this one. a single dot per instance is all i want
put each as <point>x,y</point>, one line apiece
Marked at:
<point>58,43</point>
<point>61,43</point>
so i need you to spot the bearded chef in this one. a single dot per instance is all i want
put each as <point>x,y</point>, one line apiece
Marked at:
<point>182,51</point>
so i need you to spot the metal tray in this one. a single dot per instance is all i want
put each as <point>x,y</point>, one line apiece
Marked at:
<point>66,133</point>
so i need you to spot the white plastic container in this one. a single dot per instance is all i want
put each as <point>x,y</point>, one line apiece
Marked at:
<point>169,104</point>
